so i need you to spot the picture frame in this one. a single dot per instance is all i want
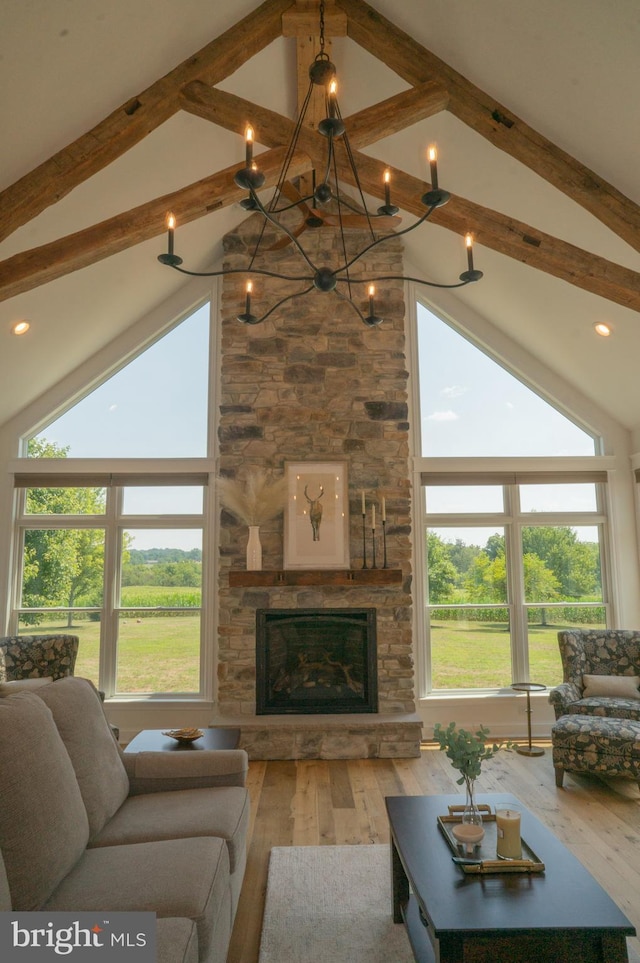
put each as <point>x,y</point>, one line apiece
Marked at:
<point>316,517</point>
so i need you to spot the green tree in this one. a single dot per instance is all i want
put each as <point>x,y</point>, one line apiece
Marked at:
<point>495,546</point>
<point>62,567</point>
<point>540,584</point>
<point>442,573</point>
<point>486,580</point>
<point>575,564</point>
<point>462,555</point>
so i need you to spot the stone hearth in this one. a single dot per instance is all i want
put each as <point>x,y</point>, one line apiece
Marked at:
<point>313,383</point>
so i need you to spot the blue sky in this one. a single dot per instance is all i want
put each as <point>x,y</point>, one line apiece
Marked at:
<point>156,406</point>
<point>471,406</point>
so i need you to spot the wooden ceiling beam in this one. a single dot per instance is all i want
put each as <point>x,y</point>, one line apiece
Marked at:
<point>490,228</point>
<point>132,121</point>
<point>29,269</point>
<point>507,236</point>
<point>396,113</point>
<point>303,20</point>
<point>415,64</point>
<point>364,127</point>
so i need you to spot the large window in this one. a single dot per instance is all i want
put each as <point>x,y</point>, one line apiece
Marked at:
<point>501,585</point>
<point>511,556</point>
<point>92,565</point>
<point>115,554</point>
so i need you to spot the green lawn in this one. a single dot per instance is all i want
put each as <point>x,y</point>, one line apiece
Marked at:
<point>160,653</point>
<point>155,654</point>
<point>476,655</point>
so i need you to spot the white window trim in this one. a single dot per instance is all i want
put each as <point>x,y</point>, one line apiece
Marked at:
<point>122,472</point>
<point>511,522</point>
<point>620,555</point>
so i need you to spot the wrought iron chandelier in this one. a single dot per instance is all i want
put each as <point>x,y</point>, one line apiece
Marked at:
<point>326,194</point>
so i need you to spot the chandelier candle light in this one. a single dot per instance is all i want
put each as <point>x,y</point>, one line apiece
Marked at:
<point>327,198</point>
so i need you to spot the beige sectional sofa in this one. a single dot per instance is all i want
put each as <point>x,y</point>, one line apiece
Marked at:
<point>84,826</point>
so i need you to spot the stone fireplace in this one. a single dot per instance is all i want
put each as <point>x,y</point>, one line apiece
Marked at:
<point>316,660</point>
<point>313,383</point>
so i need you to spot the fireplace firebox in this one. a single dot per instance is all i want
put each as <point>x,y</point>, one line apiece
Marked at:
<point>316,661</point>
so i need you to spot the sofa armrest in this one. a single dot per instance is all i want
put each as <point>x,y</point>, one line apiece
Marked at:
<point>562,696</point>
<point>169,771</point>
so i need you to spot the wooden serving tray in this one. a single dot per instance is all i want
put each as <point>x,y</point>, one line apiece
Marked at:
<point>488,862</point>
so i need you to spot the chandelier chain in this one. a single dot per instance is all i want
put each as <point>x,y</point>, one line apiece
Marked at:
<point>322,28</point>
<point>329,195</point>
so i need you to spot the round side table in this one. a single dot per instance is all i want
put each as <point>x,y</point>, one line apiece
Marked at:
<point>529,687</point>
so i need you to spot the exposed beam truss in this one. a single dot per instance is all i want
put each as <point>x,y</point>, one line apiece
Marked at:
<point>434,87</point>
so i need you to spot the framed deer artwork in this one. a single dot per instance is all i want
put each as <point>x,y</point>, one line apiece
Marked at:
<point>316,517</point>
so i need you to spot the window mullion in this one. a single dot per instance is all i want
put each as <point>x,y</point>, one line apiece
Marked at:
<point>513,542</point>
<point>109,622</point>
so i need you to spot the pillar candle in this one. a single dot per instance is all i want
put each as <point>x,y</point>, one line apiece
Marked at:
<point>384,510</point>
<point>363,508</point>
<point>433,165</point>
<point>387,188</point>
<point>373,516</point>
<point>508,845</point>
<point>248,138</point>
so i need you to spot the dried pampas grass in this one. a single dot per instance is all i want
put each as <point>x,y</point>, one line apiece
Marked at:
<point>254,501</point>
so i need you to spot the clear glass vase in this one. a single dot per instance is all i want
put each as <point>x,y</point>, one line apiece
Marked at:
<point>471,814</point>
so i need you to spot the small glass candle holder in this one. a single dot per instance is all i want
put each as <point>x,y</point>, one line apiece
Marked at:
<point>468,837</point>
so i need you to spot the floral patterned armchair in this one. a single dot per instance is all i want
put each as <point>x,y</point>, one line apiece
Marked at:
<point>37,656</point>
<point>601,670</point>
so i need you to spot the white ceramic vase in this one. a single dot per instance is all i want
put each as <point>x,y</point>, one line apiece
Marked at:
<point>254,549</point>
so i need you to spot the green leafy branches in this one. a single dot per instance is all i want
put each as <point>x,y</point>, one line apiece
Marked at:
<point>466,750</point>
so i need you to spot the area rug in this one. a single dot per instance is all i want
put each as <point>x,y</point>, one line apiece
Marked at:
<point>331,904</point>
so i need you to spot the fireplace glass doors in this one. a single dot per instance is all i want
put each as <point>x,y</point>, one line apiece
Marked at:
<point>316,660</point>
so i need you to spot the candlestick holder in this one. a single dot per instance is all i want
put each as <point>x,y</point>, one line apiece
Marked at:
<point>364,543</point>
<point>384,543</point>
<point>373,547</point>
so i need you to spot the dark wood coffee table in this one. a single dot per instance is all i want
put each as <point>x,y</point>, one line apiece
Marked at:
<point>451,917</point>
<point>154,740</point>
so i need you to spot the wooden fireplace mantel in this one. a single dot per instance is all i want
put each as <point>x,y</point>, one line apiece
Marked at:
<point>350,576</point>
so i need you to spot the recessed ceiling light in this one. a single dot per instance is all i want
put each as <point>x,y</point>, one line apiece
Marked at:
<point>602,329</point>
<point>20,327</point>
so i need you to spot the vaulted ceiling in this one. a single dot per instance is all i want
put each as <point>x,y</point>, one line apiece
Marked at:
<point>107,109</point>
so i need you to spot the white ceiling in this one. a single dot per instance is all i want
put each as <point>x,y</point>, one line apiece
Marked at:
<point>570,69</point>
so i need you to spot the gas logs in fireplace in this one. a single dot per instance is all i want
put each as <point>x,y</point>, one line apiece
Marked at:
<point>316,660</point>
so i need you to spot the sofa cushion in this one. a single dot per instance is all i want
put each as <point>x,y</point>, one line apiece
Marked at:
<point>176,941</point>
<point>5,895</point>
<point>604,706</point>
<point>614,686</point>
<point>43,821</point>
<point>20,685</point>
<point>79,716</point>
<point>173,877</point>
<point>223,811</point>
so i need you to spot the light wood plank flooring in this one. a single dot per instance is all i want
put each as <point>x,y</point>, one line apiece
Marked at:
<point>318,802</point>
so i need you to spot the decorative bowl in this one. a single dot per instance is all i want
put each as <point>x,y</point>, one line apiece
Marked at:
<point>187,734</point>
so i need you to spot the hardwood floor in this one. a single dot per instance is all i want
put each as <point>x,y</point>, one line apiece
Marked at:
<point>318,802</point>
